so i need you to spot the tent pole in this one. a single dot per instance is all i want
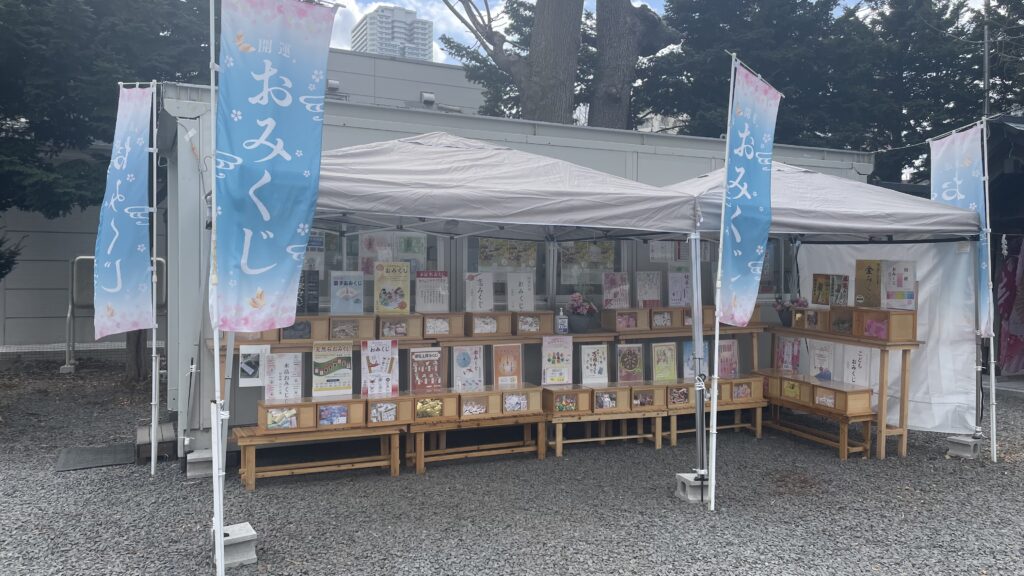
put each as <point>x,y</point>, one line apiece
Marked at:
<point>986,236</point>
<point>154,411</point>
<point>696,302</point>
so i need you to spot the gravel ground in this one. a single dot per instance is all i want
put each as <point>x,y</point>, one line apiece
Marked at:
<point>785,506</point>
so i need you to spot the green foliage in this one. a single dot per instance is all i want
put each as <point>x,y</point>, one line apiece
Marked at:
<point>60,61</point>
<point>501,96</point>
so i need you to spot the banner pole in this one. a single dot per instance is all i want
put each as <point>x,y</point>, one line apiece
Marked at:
<point>987,236</point>
<point>155,360</point>
<point>713,449</point>
<point>215,409</point>
<point>696,301</point>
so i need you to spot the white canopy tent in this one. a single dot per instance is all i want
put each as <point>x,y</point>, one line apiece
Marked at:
<point>822,207</point>
<point>839,221</point>
<point>456,186</point>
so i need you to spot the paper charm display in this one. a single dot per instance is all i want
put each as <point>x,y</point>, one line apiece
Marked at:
<point>427,373</point>
<point>594,364</point>
<point>648,289</point>
<point>332,368</point>
<point>391,288</point>
<point>379,363</point>
<point>663,354</point>
<point>252,365</point>
<point>507,361</point>
<point>479,292</point>
<point>520,291</point>
<point>346,292</point>
<point>432,291</point>
<point>728,359</point>
<point>556,360</point>
<point>679,289</point>
<point>630,362</point>
<point>468,368</point>
<point>284,376</point>
<point>614,290</point>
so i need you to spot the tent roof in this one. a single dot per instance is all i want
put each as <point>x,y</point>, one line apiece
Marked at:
<point>446,184</point>
<point>829,207</point>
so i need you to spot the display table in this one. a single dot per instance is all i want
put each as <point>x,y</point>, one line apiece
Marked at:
<point>686,333</point>
<point>559,421</point>
<point>884,348</point>
<point>249,439</point>
<point>420,454</point>
<point>735,395</point>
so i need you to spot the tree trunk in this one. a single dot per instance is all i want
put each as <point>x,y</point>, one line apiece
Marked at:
<point>547,92</point>
<point>624,33</point>
<point>136,362</point>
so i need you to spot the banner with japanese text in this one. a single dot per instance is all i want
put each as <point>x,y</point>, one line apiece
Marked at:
<point>747,202</point>
<point>122,279</point>
<point>958,179</point>
<point>273,71</point>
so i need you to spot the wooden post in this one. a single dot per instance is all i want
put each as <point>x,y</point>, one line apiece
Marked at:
<point>249,457</point>
<point>904,401</point>
<point>558,440</point>
<point>542,440</point>
<point>639,430</point>
<point>421,466</point>
<point>673,427</point>
<point>844,438</point>
<point>656,429</point>
<point>396,461</point>
<point>883,400</point>
<point>527,434</point>
<point>757,423</point>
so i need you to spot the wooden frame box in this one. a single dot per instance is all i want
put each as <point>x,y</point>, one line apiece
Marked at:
<point>479,405</point>
<point>611,399</point>
<point>444,325</point>
<point>814,319</point>
<point>680,395</point>
<point>535,323</point>
<point>400,327</point>
<point>340,413</point>
<point>626,319</point>
<point>567,400</point>
<point>306,329</point>
<point>708,316</point>
<point>885,325</point>
<point>724,393</point>
<point>747,390</point>
<point>795,390</point>
<point>841,320</point>
<point>355,327</point>
<point>440,407</point>
<point>842,398</point>
<point>670,318</point>
<point>521,401</point>
<point>488,324</point>
<point>281,417</point>
<point>389,410</point>
<point>646,397</point>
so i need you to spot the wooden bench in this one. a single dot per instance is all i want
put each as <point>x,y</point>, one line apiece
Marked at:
<point>839,401</point>
<point>249,439</point>
<point>603,419</point>
<point>420,454</point>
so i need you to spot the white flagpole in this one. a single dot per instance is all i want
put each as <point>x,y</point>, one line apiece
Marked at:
<point>713,448</point>
<point>155,366</point>
<point>987,237</point>
<point>217,405</point>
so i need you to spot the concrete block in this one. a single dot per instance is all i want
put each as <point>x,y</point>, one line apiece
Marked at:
<point>199,464</point>
<point>239,545</point>
<point>966,447</point>
<point>691,489</point>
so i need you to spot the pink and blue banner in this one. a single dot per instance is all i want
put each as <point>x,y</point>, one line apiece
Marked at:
<point>747,202</point>
<point>958,179</point>
<point>122,279</point>
<point>273,71</point>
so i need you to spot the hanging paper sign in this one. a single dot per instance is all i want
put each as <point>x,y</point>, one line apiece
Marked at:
<point>273,62</point>
<point>958,179</point>
<point>747,202</point>
<point>122,281</point>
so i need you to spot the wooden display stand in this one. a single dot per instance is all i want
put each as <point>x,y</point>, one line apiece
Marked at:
<point>626,319</point>
<point>306,330</point>
<point>283,417</point>
<point>421,455</point>
<point>535,323</point>
<point>355,408</point>
<point>355,328</point>
<point>884,348</point>
<point>480,405</point>
<point>885,325</point>
<point>258,337</point>
<point>681,399</point>
<point>670,318</point>
<point>405,327</point>
<point>433,408</point>
<point>454,324</point>
<point>249,439</point>
<point>389,410</point>
<point>647,396</point>
<point>844,403</point>
<point>840,320</point>
<point>479,323</point>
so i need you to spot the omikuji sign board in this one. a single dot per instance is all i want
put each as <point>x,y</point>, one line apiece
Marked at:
<point>747,202</point>
<point>122,280</point>
<point>273,70</point>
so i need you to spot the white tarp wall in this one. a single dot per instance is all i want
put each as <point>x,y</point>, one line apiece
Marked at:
<point>942,389</point>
